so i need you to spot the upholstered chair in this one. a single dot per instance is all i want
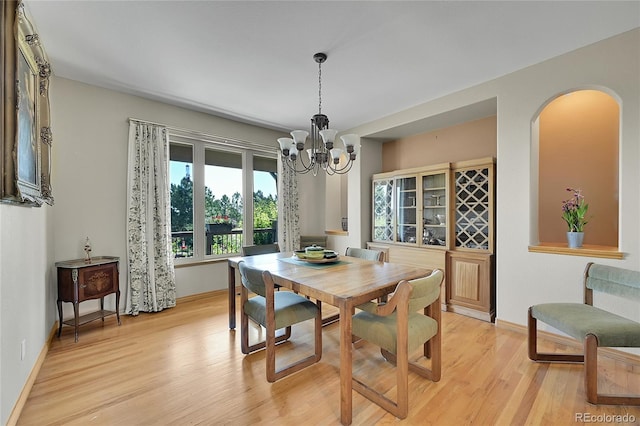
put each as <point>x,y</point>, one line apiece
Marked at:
<point>274,311</point>
<point>375,255</point>
<point>260,249</point>
<point>310,240</point>
<point>398,329</point>
<point>368,254</point>
<point>363,254</point>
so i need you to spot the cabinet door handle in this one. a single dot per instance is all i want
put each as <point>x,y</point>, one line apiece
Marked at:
<point>83,286</point>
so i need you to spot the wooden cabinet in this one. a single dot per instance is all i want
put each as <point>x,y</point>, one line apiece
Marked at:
<point>470,285</point>
<point>442,216</point>
<point>406,201</point>
<point>435,209</point>
<point>410,207</point>
<point>383,209</point>
<point>473,186</point>
<point>79,280</point>
<point>470,276</point>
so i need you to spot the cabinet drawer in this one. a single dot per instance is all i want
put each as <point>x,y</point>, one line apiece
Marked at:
<point>97,281</point>
<point>93,282</point>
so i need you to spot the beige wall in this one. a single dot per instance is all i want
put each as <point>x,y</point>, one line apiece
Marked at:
<point>524,278</point>
<point>579,135</point>
<point>90,171</point>
<point>474,139</point>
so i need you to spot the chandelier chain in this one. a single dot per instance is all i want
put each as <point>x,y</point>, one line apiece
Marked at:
<point>319,87</point>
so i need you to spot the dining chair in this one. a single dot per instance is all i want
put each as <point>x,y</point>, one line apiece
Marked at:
<point>255,250</point>
<point>275,311</point>
<point>398,329</point>
<point>311,240</point>
<point>377,255</point>
<point>260,249</point>
<point>369,254</point>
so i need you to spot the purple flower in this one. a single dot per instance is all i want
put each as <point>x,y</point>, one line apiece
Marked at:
<point>574,211</point>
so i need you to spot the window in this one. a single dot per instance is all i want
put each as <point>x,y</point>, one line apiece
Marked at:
<point>180,165</point>
<point>223,210</point>
<point>265,200</point>
<point>208,183</point>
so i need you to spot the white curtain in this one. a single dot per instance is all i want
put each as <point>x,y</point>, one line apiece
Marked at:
<point>289,222</point>
<point>151,286</point>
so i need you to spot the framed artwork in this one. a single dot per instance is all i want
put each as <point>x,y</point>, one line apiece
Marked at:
<point>25,120</point>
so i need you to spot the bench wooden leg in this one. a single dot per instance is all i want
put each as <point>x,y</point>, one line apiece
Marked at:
<point>546,357</point>
<point>591,378</point>
<point>591,368</point>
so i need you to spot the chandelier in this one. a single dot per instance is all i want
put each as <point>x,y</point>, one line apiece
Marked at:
<point>323,152</point>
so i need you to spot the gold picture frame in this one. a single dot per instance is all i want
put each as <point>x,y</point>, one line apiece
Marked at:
<point>25,119</point>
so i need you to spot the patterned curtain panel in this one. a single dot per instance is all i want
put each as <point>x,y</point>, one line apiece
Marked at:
<point>151,286</point>
<point>289,230</point>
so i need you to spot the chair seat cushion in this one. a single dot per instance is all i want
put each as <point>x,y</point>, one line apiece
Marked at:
<point>578,320</point>
<point>290,308</point>
<point>382,330</point>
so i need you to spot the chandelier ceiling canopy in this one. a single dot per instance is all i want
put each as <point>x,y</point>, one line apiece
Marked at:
<point>323,152</point>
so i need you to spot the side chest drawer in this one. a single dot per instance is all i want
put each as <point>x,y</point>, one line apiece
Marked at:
<point>93,282</point>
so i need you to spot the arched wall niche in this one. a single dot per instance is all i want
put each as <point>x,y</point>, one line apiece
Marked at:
<point>575,144</point>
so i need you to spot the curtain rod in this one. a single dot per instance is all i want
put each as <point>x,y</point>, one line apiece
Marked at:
<point>239,143</point>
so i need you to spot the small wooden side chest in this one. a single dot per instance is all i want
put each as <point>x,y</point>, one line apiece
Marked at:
<point>79,280</point>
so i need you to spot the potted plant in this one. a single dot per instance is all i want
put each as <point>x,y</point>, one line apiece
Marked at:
<point>220,224</point>
<point>574,211</point>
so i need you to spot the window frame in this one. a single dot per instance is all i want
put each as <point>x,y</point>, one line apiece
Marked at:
<point>199,144</point>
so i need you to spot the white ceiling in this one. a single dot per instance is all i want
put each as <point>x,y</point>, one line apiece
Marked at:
<point>253,60</point>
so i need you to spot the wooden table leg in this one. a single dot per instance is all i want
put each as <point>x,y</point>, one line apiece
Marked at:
<point>345,363</point>
<point>232,297</point>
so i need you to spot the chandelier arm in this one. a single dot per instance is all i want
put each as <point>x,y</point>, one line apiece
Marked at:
<point>342,170</point>
<point>292,165</point>
<point>301,155</point>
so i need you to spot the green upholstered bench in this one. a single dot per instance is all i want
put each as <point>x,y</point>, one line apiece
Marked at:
<point>593,326</point>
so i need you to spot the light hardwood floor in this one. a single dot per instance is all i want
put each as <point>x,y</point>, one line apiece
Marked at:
<point>184,367</point>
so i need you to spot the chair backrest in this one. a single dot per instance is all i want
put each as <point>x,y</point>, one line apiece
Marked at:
<point>309,240</point>
<point>368,254</point>
<point>261,249</point>
<point>252,279</point>
<point>425,290</point>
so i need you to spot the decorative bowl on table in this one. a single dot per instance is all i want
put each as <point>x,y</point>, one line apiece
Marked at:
<point>300,254</point>
<point>314,252</point>
<point>330,254</point>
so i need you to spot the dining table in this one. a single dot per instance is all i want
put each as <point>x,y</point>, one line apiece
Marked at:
<point>344,283</point>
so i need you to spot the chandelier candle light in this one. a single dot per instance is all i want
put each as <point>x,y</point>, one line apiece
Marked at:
<point>324,152</point>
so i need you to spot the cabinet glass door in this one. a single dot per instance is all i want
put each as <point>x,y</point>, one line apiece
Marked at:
<point>383,210</point>
<point>434,210</point>
<point>473,200</point>
<point>407,210</point>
